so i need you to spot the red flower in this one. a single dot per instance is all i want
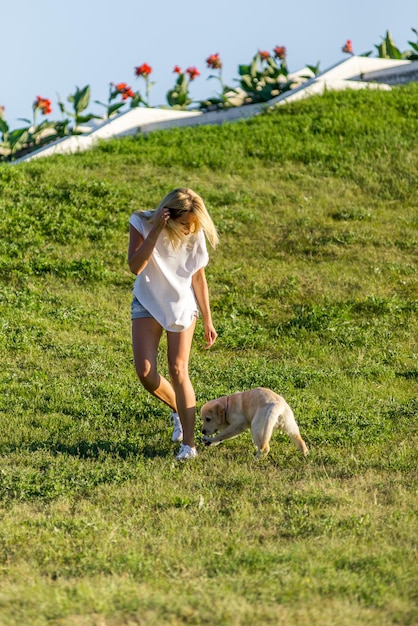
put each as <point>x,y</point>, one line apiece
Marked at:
<point>214,61</point>
<point>43,105</point>
<point>279,52</point>
<point>193,72</point>
<point>124,90</point>
<point>143,70</point>
<point>177,69</point>
<point>264,55</point>
<point>348,48</point>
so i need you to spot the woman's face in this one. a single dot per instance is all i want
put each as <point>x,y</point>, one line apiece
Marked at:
<point>187,222</point>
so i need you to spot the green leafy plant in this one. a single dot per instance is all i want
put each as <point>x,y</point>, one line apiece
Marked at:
<point>227,94</point>
<point>22,140</point>
<point>178,97</point>
<point>266,76</point>
<point>143,71</point>
<point>412,55</point>
<point>80,100</point>
<point>387,49</point>
<point>121,90</point>
<point>4,130</point>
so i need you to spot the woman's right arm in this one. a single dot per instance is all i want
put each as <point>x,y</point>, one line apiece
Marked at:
<point>140,249</point>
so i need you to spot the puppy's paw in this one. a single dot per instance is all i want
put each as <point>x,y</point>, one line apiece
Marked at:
<point>210,441</point>
<point>207,440</point>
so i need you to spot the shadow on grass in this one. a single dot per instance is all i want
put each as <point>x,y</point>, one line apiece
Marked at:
<point>408,374</point>
<point>95,450</point>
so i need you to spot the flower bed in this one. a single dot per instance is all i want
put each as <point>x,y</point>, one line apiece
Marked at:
<point>264,78</point>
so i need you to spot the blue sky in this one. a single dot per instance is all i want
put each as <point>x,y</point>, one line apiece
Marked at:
<point>50,47</point>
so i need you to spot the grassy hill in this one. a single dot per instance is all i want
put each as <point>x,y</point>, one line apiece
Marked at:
<point>313,291</point>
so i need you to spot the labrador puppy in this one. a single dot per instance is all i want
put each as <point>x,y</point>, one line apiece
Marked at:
<point>260,409</point>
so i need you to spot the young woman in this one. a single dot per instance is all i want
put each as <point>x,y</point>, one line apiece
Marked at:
<point>167,252</point>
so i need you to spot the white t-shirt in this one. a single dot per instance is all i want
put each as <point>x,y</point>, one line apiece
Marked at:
<point>164,287</point>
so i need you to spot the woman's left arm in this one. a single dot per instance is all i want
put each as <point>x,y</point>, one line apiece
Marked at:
<point>200,288</point>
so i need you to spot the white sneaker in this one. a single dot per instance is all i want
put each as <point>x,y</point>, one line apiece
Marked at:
<point>177,434</point>
<point>186,453</point>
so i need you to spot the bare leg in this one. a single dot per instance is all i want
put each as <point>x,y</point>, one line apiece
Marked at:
<point>146,335</point>
<point>179,346</point>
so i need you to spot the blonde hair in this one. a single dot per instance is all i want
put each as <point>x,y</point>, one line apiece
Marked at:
<point>180,202</point>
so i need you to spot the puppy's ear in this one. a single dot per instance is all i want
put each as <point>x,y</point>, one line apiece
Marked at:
<point>221,410</point>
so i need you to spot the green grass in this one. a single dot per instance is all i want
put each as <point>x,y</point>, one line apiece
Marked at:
<point>313,291</point>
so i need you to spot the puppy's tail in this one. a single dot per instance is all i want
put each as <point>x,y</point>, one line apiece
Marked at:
<point>288,424</point>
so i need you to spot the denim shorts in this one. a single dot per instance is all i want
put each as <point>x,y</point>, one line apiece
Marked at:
<point>137,310</point>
